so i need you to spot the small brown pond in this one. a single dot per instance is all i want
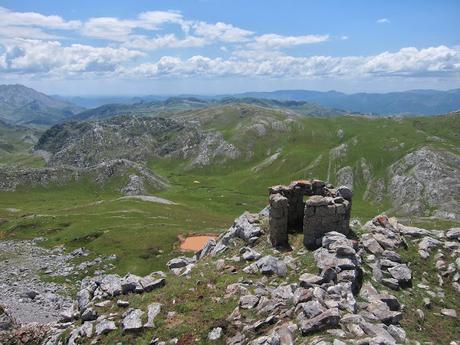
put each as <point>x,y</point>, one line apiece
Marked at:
<point>195,242</point>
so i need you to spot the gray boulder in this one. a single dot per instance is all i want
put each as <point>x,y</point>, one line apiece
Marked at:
<point>215,334</point>
<point>453,234</point>
<point>149,283</point>
<point>248,301</point>
<point>152,312</point>
<point>83,298</point>
<point>132,320</point>
<point>105,326</point>
<point>250,254</point>
<point>6,321</point>
<point>328,319</point>
<point>111,284</point>
<point>402,274</point>
<point>268,265</point>
<point>179,262</point>
<point>89,314</point>
<point>130,283</point>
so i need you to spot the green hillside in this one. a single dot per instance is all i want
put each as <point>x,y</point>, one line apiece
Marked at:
<point>143,234</point>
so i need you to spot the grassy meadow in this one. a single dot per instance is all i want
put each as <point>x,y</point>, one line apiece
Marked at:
<point>143,235</point>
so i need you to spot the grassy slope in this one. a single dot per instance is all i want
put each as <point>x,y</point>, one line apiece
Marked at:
<point>85,215</point>
<point>14,151</point>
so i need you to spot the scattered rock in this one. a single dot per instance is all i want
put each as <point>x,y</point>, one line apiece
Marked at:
<point>215,334</point>
<point>105,326</point>
<point>132,320</point>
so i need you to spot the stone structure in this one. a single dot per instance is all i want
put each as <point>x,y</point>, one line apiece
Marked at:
<point>326,209</point>
<point>278,220</point>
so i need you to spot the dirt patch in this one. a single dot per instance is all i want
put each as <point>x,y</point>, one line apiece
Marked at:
<point>194,243</point>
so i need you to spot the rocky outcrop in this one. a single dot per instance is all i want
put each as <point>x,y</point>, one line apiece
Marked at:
<point>135,138</point>
<point>11,178</point>
<point>426,179</point>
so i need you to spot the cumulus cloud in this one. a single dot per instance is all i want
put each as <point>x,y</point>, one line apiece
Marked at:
<point>8,17</point>
<point>412,61</point>
<point>143,31</point>
<point>270,41</point>
<point>221,32</point>
<point>383,21</point>
<point>115,29</point>
<point>31,24</point>
<point>50,57</point>
<point>29,45</point>
<point>407,61</point>
<point>164,41</point>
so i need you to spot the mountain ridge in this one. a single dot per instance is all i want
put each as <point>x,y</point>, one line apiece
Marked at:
<point>22,105</point>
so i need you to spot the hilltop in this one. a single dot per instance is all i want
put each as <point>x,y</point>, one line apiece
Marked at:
<point>20,104</point>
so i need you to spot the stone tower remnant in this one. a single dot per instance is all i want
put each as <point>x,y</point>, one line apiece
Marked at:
<point>325,209</point>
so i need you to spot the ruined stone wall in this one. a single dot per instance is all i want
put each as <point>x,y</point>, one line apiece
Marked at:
<point>295,194</point>
<point>278,221</point>
<point>325,214</point>
<point>327,210</point>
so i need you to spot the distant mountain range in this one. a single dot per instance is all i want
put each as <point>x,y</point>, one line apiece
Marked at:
<point>20,104</point>
<point>23,105</point>
<point>177,104</point>
<point>414,102</point>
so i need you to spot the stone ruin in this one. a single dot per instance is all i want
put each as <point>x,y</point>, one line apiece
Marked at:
<point>309,206</point>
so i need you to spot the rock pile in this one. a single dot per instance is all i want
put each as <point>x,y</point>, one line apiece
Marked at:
<point>246,228</point>
<point>104,287</point>
<point>27,297</point>
<point>325,301</point>
<point>381,239</point>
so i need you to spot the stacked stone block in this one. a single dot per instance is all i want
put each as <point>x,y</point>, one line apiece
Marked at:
<point>278,221</point>
<point>322,215</point>
<point>326,210</point>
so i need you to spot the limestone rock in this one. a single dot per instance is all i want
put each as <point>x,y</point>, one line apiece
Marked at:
<point>179,262</point>
<point>215,334</point>
<point>152,312</point>
<point>329,318</point>
<point>402,274</point>
<point>105,326</point>
<point>268,265</point>
<point>132,320</point>
<point>248,301</point>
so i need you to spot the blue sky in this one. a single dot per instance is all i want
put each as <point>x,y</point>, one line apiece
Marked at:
<point>211,46</point>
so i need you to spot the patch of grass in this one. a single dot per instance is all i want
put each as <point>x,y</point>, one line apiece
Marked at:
<point>434,326</point>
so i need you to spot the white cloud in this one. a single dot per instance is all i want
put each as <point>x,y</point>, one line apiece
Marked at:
<point>383,21</point>
<point>31,24</point>
<point>43,57</point>
<point>413,61</point>
<point>164,41</point>
<point>221,32</point>
<point>115,29</point>
<point>108,28</point>
<point>8,17</point>
<point>270,41</point>
<point>143,31</point>
<point>407,61</point>
<point>344,37</point>
<point>29,45</point>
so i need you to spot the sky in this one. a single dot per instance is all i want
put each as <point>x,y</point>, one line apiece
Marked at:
<point>141,47</point>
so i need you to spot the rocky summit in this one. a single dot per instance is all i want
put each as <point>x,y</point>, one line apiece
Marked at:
<point>269,282</point>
